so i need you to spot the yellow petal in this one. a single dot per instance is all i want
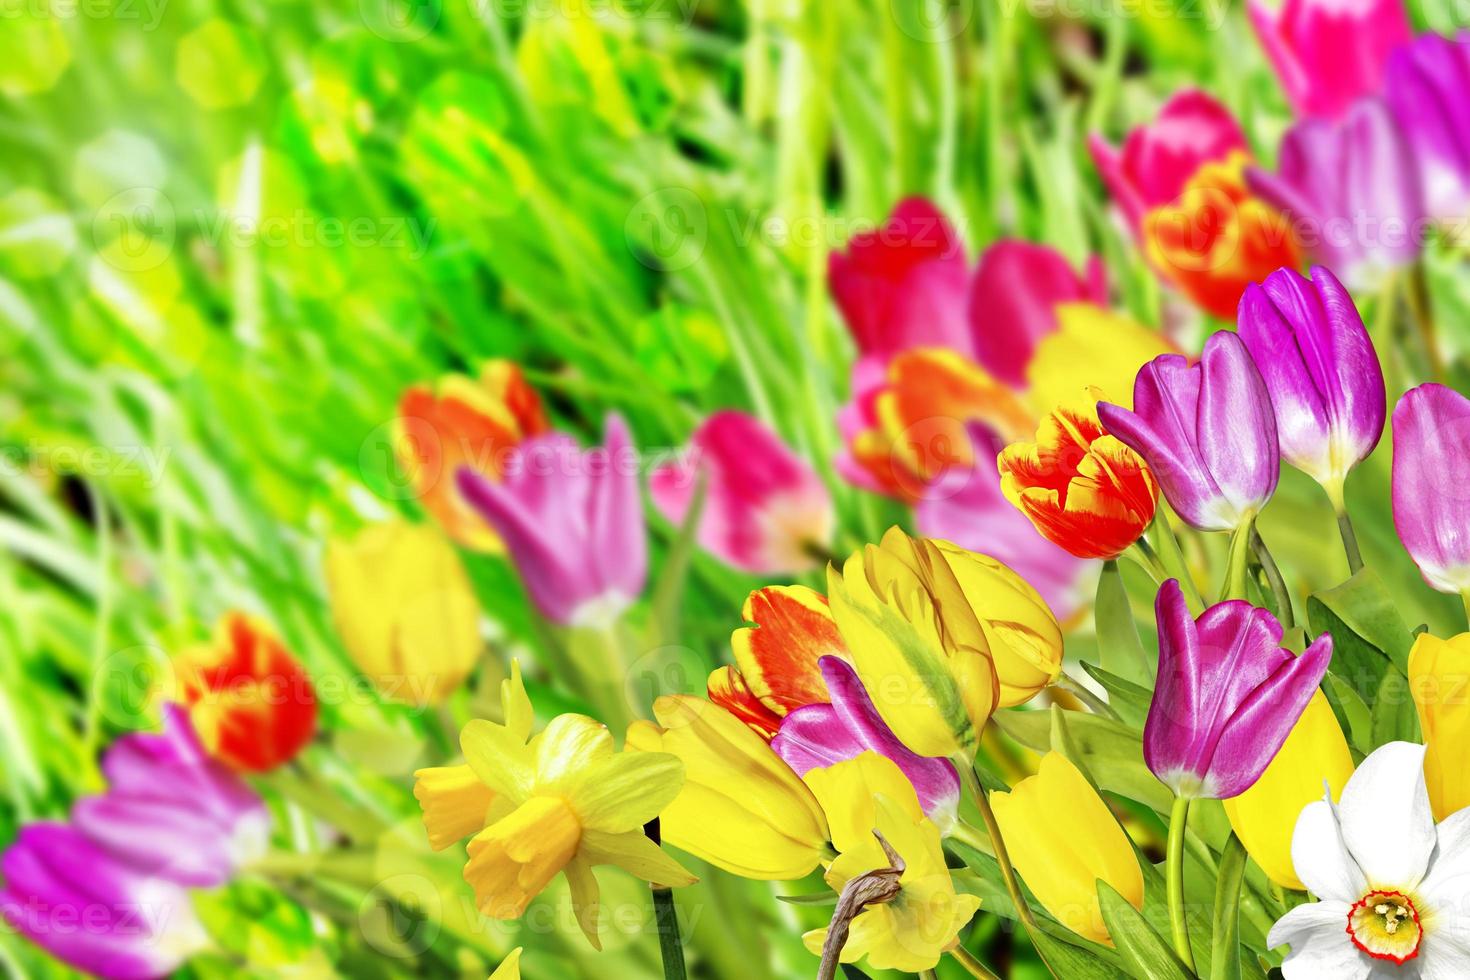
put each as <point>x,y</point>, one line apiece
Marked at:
<point>582,884</point>
<point>1439,680</point>
<point>1091,347</point>
<point>500,758</point>
<point>1264,816</point>
<point>848,793</point>
<point>510,967</point>
<point>623,792</point>
<point>455,803</point>
<point>515,705</point>
<point>637,855</point>
<point>1063,839</point>
<point>564,751</point>
<point>512,860</point>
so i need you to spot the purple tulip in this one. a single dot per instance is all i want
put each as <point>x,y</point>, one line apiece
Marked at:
<point>1425,87</point>
<point>1327,53</point>
<point>1206,430</point>
<point>1227,695</point>
<point>1431,483</point>
<point>1350,190</point>
<point>572,522</point>
<point>87,907</point>
<point>820,735</point>
<point>173,811</point>
<point>1309,343</point>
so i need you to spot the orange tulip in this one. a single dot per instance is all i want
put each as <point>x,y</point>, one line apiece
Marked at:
<point>464,422</point>
<point>250,701</point>
<point>1083,489</point>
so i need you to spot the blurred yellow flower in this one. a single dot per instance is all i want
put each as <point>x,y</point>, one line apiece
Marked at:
<point>1439,677</point>
<point>510,967</point>
<point>405,610</point>
<point>1264,817</point>
<point>1062,839</point>
<point>563,801</point>
<point>917,642</point>
<point>913,930</point>
<point>741,808</point>
<point>1091,348</point>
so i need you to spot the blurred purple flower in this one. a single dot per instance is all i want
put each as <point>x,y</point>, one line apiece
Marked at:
<point>1206,430</point>
<point>1227,695</point>
<point>1425,87</point>
<point>1310,345</point>
<point>1328,53</point>
<point>1431,483</point>
<point>572,521</point>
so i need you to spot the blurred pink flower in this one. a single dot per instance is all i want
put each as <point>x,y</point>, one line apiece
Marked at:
<point>1329,53</point>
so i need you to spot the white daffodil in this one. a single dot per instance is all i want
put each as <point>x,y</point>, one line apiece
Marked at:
<point>1393,889</point>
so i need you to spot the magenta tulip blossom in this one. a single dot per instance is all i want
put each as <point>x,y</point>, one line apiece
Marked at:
<point>172,810</point>
<point>89,908</point>
<point>1350,190</point>
<point>1431,483</point>
<point>1206,430</point>
<point>1425,89</point>
<point>1157,160</point>
<point>1227,695</point>
<point>765,510</point>
<point>824,734</point>
<point>1307,339</point>
<point>1328,53</point>
<point>572,521</point>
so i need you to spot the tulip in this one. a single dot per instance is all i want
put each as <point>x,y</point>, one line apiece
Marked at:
<point>405,610</point>
<point>173,811</point>
<point>562,803</point>
<point>820,735</point>
<point>1091,348</point>
<point>249,700</point>
<point>776,658</point>
<point>1439,676</point>
<point>465,422</point>
<point>1063,840</point>
<point>1227,695</point>
<point>92,910</point>
<point>1264,816</point>
<point>912,419</point>
<point>1082,489</point>
<point>741,808</point>
<point>1351,192</point>
<point>764,511</point>
<point>1157,161</point>
<point>905,285</point>
<point>1216,238</point>
<point>866,796</point>
<point>1312,350</point>
<point>1431,483</point>
<point>910,627</point>
<point>572,522</point>
<point>1014,301</point>
<point>1424,87</point>
<point>1207,432</point>
<point>1327,53</point>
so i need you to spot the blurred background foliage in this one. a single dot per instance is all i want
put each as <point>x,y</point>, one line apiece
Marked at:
<point>231,233</point>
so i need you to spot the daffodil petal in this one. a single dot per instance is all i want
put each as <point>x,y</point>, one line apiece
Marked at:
<point>566,748</point>
<point>582,884</point>
<point>623,792</point>
<point>499,757</point>
<point>455,803</point>
<point>510,967</point>
<point>637,855</point>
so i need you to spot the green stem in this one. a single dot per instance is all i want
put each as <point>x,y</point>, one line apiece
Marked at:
<point>1273,575</point>
<point>1345,527</point>
<point>1465,597</point>
<point>1178,821</point>
<point>973,966</point>
<point>1094,703</point>
<point>670,948</point>
<point>1148,560</point>
<point>992,827</point>
<point>1235,568</point>
<point>1173,560</point>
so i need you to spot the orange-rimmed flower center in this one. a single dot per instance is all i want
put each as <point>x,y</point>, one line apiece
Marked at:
<point>1385,925</point>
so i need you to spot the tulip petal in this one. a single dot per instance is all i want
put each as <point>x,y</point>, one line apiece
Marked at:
<point>1236,427</point>
<point>727,688</point>
<point>792,629</point>
<point>1431,483</point>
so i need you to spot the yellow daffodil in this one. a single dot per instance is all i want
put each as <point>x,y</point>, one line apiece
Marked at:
<point>1439,680</point>
<point>1264,817</point>
<point>916,640</point>
<point>405,610</point>
<point>741,808</point>
<point>510,967</point>
<point>911,931</point>
<point>1062,839</point>
<point>1090,347</point>
<point>563,801</point>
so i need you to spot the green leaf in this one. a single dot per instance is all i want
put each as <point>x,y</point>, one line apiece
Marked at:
<point>1125,697</point>
<point>1066,960</point>
<point>1394,717</point>
<point>1368,634</point>
<point>828,897</point>
<point>1111,753</point>
<point>1143,948</point>
<point>1225,942</point>
<point>1352,712</point>
<point>1120,650</point>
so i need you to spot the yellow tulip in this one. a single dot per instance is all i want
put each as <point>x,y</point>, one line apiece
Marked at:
<point>405,610</point>
<point>916,640</point>
<point>741,808</point>
<point>1091,347</point>
<point>1062,839</point>
<point>1264,816</point>
<point>913,930</point>
<point>562,802</point>
<point>1439,679</point>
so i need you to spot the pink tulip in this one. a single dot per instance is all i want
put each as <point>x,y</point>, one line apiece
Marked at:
<point>765,511</point>
<point>1329,53</point>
